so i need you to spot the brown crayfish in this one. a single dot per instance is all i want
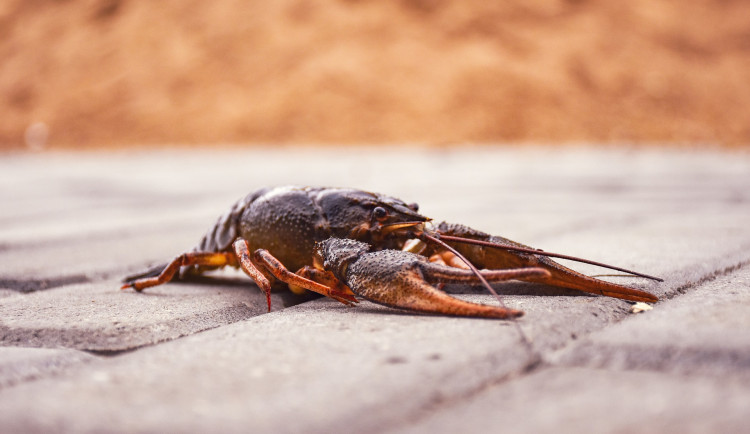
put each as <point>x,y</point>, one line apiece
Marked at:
<point>347,243</point>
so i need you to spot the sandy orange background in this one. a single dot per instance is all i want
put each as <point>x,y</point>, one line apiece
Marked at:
<point>121,72</point>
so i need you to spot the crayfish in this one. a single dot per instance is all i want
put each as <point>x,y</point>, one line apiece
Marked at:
<point>346,243</point>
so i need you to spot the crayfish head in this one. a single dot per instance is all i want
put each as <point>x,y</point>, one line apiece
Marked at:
<point>370,217</point>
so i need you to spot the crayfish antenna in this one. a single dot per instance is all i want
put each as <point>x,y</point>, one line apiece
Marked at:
<point>468,263</point>
<point>401,279</point>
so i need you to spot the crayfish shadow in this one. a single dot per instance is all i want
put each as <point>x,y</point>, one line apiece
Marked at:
<point>288,297</point>
<point>227,281</point>
<point>389,310</point>
<point>214,280</point>
<point>506,288</point>
<point>516,288</point>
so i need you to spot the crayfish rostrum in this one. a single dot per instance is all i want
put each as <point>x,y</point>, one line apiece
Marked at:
<point>345,243</point>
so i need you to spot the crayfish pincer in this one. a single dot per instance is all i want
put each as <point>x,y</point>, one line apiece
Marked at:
<point>364,237</point>
<point>402,279</point>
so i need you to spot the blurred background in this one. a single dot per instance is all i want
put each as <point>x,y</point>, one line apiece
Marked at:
<point>114,73</point>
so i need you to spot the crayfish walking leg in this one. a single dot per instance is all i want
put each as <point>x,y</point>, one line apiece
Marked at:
<point>154,277</point>
<point>260,266</point>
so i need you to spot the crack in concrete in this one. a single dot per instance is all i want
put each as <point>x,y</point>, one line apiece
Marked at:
<point>686,287</point>
<point>32,285</point>
<point>663,359</point>
<point>540,360</point>
<point>534,363</point>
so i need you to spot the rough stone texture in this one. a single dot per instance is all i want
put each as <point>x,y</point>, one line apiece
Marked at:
<point>705,331</point>
<point>18,364</point>
<point>316,353</point>
<point>691,350</point>
<point>92,258</point>
<point>99,317</point>
<point>320,366</point>
<point>588,400</point>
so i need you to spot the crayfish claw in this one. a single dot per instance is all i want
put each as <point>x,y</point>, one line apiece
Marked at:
<point>493,252</point>
<point>406,288</point>
<point>396,278</point>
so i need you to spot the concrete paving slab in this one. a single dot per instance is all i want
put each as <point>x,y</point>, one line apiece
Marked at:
<point>99,317</point>
<point>504,180</point>
<point>589,400</point>
<point>682,251</point>
<point>523,195</point>
<point>688,364</point>
<point>19,364</point>
<point>94,257</point>
<point>69,226</point>
<point>705,331</point>
<point>323,367</point>
<point>317,367</point>
<point>7,292</point>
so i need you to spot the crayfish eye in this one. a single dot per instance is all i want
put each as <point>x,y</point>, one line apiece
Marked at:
<point>413,206</point>
<point>379,213</point>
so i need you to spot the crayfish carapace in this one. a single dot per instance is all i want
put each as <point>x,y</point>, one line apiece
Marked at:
<point>346,243</point>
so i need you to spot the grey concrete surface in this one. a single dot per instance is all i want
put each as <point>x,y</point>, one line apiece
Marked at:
<point>705,331</point>
<point>682,367</point>
<point>589,400</point>
<point>19,364</point>
<point>204,356</point>
<point>99,317</point>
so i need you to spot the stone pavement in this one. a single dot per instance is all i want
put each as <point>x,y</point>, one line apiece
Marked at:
<point>78,355</point>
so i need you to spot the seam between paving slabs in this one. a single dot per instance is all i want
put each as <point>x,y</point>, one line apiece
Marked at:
<point>100,234</point>
<point>685,288</point>
<point>666,359</point>
<point>119,352</point>
<point>681,290</point>
<point>57,370</point>
<point>25,286</point>
<point>437,402</point>
<point>535,364</point>
<point>669,355</point>
<point>101,355</point>
<point>125,350</point>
